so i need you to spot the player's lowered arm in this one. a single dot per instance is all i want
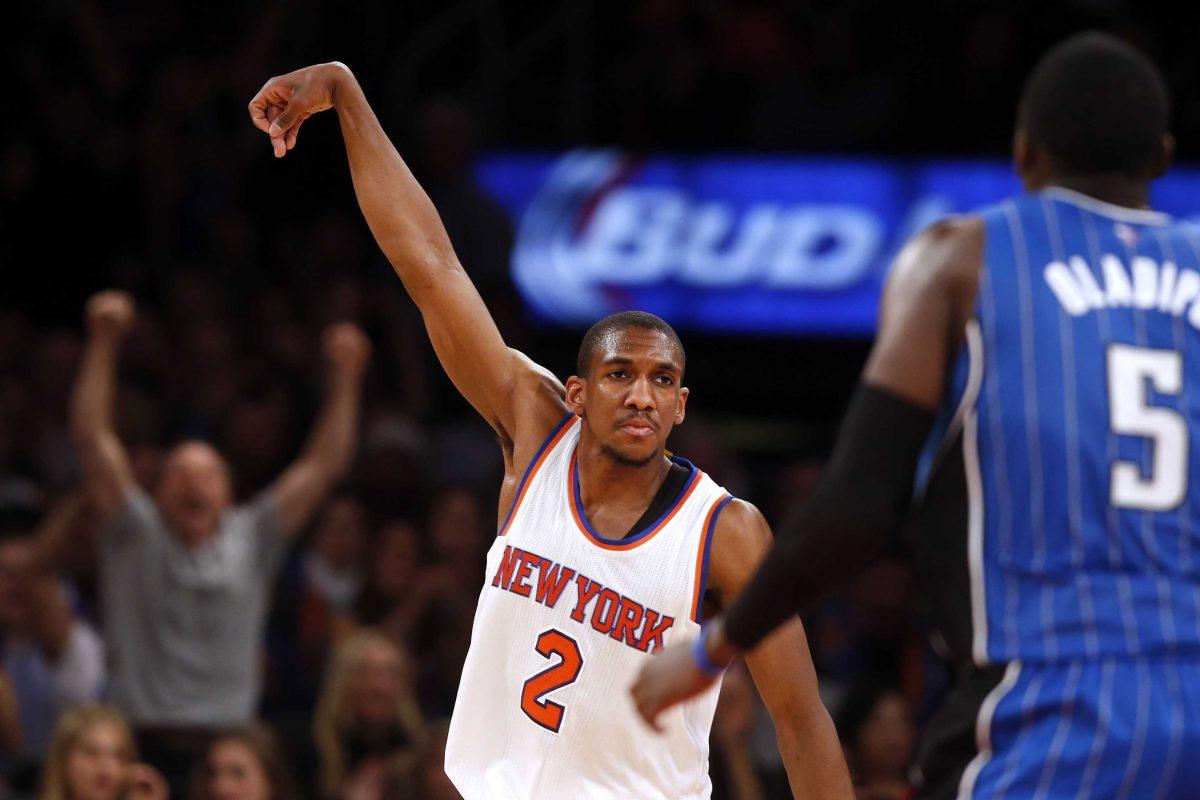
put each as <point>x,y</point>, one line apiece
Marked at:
<point>407,228</point>
<point>781,666</point>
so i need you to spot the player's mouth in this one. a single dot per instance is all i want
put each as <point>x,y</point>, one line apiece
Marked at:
<point>638,429</point>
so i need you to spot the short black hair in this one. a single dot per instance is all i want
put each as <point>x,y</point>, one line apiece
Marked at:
<point>1097,105</point>
<point>615,323</point>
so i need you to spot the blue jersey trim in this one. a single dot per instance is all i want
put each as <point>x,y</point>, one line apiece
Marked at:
<point>628,540</point>
<point>529,469</point>
<point>708,537</point>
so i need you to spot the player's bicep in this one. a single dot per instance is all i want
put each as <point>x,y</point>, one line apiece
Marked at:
<point>781,665</point>
<point>925,304</point>
<point>741,539</point>
<point>467,342</point>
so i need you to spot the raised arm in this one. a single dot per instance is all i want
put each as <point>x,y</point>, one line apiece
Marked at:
<point>781,666</point>
<point>52,618</point>
<point>865,489</point>
<point>107,472</point>
<point>513,395</point>
<point>307,482</point>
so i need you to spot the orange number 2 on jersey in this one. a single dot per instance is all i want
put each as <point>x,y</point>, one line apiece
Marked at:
<point>546,713</point>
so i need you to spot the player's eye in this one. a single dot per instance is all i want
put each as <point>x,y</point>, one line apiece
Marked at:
<point>618,374</point>
<point>665,380</point>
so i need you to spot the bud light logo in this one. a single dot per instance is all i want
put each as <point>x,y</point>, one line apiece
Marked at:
<point>757,245</point>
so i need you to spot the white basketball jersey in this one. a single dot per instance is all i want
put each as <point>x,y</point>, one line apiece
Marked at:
<point>565,622</point>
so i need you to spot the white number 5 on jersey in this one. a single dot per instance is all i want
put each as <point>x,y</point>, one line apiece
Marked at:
<point>1131,372</point>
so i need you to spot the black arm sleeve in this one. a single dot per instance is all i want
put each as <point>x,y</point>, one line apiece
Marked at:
<point>861,498</point>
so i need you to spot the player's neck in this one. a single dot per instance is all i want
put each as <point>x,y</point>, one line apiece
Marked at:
<point>606,484</point>
<point>1113,189</point>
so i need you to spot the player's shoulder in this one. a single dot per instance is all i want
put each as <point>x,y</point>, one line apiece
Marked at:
<point>945,256</point>
<point>740,540</point>
<point>741,525</point>
<point>539,404</point>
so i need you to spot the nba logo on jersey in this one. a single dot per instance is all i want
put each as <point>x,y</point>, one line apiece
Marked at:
<point>564,624</point>
<point>1127,234</point>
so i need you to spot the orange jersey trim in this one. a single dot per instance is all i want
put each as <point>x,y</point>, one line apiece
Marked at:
<point>636,541</point>
<point>702,550</point>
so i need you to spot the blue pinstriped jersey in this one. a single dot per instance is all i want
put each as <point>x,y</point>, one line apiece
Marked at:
<point>1077,394</point>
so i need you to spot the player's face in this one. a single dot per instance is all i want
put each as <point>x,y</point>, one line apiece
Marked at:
<point>194,491</point>
<point>633,395</point>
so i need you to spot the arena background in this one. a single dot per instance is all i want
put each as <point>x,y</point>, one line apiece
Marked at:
<point>127,160</point>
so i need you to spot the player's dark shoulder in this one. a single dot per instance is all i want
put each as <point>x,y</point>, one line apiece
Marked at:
<point>943,260</point>
<point>947,254</point>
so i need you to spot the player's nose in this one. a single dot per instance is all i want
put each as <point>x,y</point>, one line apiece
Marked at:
<point>640,395</point>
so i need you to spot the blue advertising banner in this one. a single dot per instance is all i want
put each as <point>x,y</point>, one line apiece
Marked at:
<point>765,245</point>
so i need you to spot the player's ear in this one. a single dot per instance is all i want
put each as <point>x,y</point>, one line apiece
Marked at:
<point>576,393</point>
<point>681,407</point>
<point>1166,157</point>
<point>1022,155</point>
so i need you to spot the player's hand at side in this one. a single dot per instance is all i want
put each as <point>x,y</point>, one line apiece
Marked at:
<point>110,313</point>
<point>347,348</point>
<point>284,102</point>
<point>667,680</point>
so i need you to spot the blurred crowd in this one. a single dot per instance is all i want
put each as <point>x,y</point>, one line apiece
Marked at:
<point>129,162</point>
<point>371,602</point>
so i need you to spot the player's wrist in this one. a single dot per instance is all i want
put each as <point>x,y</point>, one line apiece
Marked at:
<point>339,76</point>
<point>712,652</point>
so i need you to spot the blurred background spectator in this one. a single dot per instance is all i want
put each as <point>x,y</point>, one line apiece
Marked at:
<point>245,764</point>
<point>53,659</point>
<point>130,163</point>
<point>186,574</point>
<point>93,757</point>
<point>879,734</point>
<point>367,717</point>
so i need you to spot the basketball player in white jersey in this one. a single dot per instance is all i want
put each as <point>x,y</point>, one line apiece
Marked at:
<point>606,546</point>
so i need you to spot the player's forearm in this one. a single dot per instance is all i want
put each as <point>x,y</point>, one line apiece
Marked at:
<point>399,213</point>
<point>861,499</point>
<point>812,755</point>
<point>95,392</point>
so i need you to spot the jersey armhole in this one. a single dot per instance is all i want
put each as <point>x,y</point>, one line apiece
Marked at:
<point>702,552</point>
<point>534,465</point>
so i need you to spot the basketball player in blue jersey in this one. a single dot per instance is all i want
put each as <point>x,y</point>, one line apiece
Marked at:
<point>1036,379</point>
<point>607,547</point>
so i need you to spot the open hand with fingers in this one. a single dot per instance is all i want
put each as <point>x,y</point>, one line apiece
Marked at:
<point>285,101</point>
